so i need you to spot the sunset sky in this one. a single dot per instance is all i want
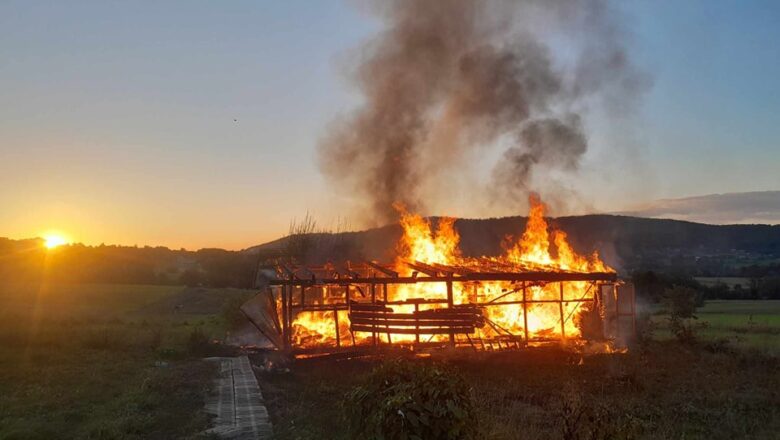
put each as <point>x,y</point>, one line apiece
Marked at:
<point>195,123</point>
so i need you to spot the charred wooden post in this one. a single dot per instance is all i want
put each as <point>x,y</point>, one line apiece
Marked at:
<point>286,305</point>
<point>336,322</point>
<point>617,312</point>
<point>563,319</point>
<point>372,288</point>
<point>417,323</point>
<point>290,315</point>
<point>283,303</point>
<point>450,304</point>
<point>384,298</point>
<point>525,313</point>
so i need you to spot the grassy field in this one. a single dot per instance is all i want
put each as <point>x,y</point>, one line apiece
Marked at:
<point>123,362</point>
<point>105,361</point>
<point>661,389</point>
<point>745,324</point>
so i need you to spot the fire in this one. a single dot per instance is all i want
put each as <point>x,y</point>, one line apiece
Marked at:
<point>420,243</point>
<point>423,243</point>
<point>537,249</point>
<point>315,328</point>
<point>534,247</point>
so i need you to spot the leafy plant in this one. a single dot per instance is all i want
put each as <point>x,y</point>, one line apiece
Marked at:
<point>682,303</point>
<point>198,342</point>
<point>407,400</point>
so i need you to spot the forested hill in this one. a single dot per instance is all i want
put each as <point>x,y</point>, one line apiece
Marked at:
<point>626,243</point>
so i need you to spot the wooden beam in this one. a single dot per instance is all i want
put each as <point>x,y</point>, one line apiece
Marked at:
<point>477,276</point>
<point>451,269</point>
<point>412,331</point>
<point>384,270</point>
<point>423,268</point>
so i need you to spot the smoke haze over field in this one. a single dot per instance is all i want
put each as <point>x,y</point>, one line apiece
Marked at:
<point>444,88</point>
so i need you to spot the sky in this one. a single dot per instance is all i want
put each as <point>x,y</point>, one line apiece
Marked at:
<point>195,123</point>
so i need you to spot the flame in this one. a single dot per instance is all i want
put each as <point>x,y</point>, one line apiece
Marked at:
<point>538,249</point>
<point>534,246</point>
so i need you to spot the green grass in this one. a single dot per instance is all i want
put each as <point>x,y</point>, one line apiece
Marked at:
<point>766,308</point>
<point>746,324</point>
<point>102,362</point>
<point>80,300</point>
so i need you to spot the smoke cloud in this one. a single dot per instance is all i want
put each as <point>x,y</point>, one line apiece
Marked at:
<point>446,83</point>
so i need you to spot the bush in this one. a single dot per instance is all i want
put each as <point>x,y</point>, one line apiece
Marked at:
<point>682,303</point>
<point>409,400</point>
<point>197,342</point>
<point>583,418</point>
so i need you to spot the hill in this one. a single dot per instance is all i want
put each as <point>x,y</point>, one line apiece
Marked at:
<point>624,242</point>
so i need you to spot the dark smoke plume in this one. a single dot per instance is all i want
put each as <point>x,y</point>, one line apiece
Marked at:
<point>446,81</point>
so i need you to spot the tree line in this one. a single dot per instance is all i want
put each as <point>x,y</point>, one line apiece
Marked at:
<point>651,285</point>
<point>30,261</point>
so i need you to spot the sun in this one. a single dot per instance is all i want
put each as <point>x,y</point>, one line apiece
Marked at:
<point>51,241</point>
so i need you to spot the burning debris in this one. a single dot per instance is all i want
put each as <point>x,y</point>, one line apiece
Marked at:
<point>539,290</point>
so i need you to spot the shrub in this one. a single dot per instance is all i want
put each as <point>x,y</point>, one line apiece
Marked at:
<point>681,303</point>
<point>197,342</point>
<point>408,400</point>
<point>583,418</point>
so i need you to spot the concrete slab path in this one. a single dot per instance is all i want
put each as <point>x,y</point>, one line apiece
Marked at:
<point>237,402</point>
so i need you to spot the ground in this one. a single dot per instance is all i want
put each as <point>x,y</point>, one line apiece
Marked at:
<point>123,362</point>
<point>106,361</point>
<point>662,389</point>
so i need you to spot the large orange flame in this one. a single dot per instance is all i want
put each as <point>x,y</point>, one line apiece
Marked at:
<point>538,249</point>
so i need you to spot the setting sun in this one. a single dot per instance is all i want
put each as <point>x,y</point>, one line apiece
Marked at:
<point>53,240</point>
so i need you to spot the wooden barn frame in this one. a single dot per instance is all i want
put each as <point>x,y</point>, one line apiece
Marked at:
<point>362,291</point>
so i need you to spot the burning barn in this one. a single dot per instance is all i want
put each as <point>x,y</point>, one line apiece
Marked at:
<point>539,291</point>
<point>445,92</point>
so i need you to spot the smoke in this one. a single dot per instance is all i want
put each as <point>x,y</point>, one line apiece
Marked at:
<point>445,84</point>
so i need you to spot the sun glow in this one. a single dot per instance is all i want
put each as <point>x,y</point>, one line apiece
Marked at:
<point>52,241</point>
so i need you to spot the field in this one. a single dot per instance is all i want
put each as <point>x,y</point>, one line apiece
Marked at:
<point>745,324</point>
<point>713,389</point>
<point>106,361</point>
<point>729,281</point>
<point>123,362</point>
